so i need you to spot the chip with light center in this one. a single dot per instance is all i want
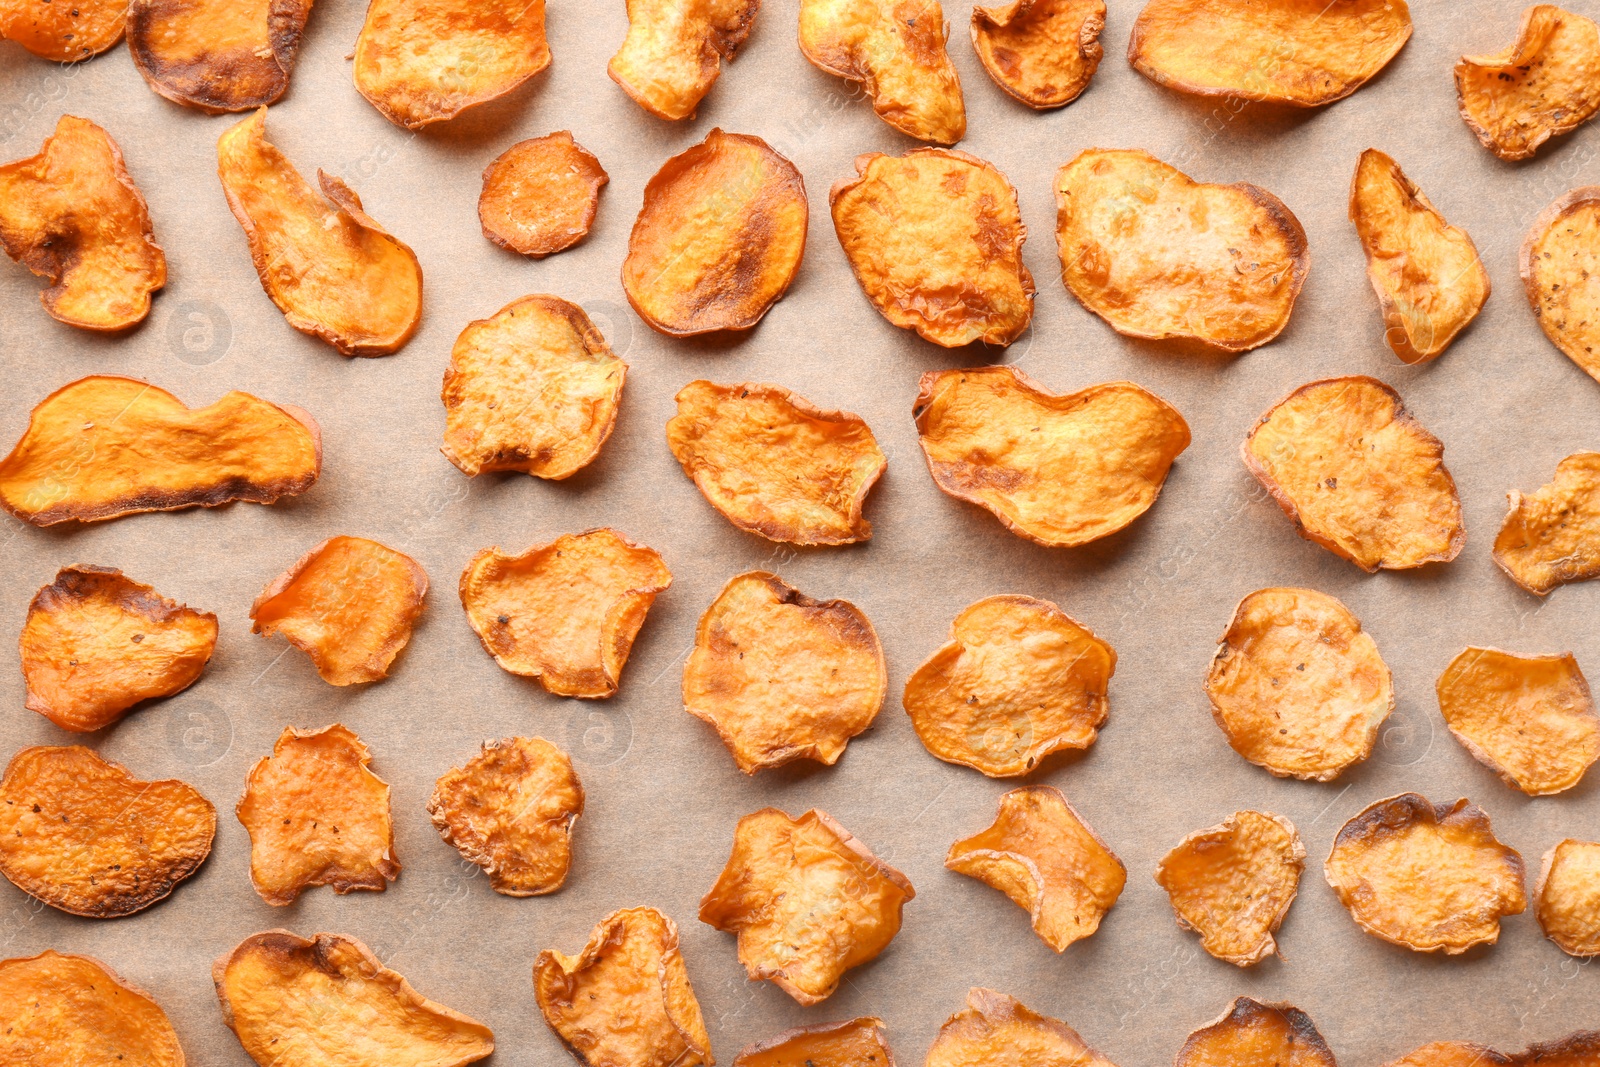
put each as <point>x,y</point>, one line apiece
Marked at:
<point>996,1030</point>
<point>1232,883</point>
<point>1042,52</point>
<point>64,1009</point>
<point>1567,897</point>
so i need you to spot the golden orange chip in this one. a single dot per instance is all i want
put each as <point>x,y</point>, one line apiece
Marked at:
<point>1297,686</point>
<point>1018,680</point>
<point>1232,883</point>
<point>331,269</point>
<point>853,1043</point>
<point>72,214</point>
<point>64,1009</point>
<point>1581,1048</point>
<point>532,388</point>
<point>1426,272</point>
<point>718,238</point>
<point>217,55</point>
<point>625,1000</point>
<point>1424,876</point>
<point>1253,1034</point>
<point>935,240</point>
<point>317,816</point>
<point>1553,536</point>
<point>1567,896</point>
<point>807,901</point>
<point>995,1030</point>
<point>1042,52</point>
<point>567,612</point>
<point>510,810</point>
<point>1561,275</point>
<point>63,32</point>
<point>314,1002</point>
<point>84,835</point>
<point>539,196</point>
<point>1544,84</point>
<point>672,54</point>
<point>1451,1054</point>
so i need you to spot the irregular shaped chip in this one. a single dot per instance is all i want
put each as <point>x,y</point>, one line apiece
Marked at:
<point>1041,52</point>
<point>774,464</point>
<point>1544,84</point>
<point>1297,686</point>
<point>96,642</point>
<point>672,53</point>
<point>539,196</point>
<point>1451,1054</point>
<point>1561,275</point>
<point>897,53</point>
<point>807,901</point>
<point>84,835</point>
<point>532,388</point>
<point>317,816</point>
<point>1018,680</point>
<point>1059,469</point>
<point>1581,1048</point>
<point>853,1043</point>
<point>935,240</point>
<point>625,1000</point>
<point>60,1009</point>
<point>311,1002</point>
<point>62,32</point>
<point>510,810</point>
<point>1163,257</point>
<point>1358,474</point>
<point>331,269</point>
<point>1253,1034</point>
<point>1424,876</point>
<point>718,238</point>
<point>995,1030</point>
<point>1426,272</point>
<point>567,612</point>
<point>217,55</point>
<point>72,214</point>
<point>1567,896</point>
<point>1553,536</point>
<point>1232,883</point>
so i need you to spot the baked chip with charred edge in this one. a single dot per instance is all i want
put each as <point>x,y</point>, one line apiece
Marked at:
<point>1581,1048</point>
<point>996,1030</point>
<point>1567,898</point>
<point>1451,1054</point>
<point>540,195</point>
<point>1560,267</point>
<point>1544,84</point>
<point>66,1009</point>
<point>217,55</point>
<point>1553,536</point>
<point>1426,877</point>
<point>859,1042</point>
<point>1253,1034</point>
<point>674,48</point>
<point>1041,52</point>
<point>86,837</point>
<point>62,32</point>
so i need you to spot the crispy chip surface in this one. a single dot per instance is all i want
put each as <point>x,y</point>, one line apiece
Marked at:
<point>625,1000</point>
<point>567,612</point>
<point>995,1030</point>
<point>83,835</point>
<point>1232,883</point>
<point>1560,264</point>
<point>532,388</point>
<point>1253,1034</point>
<point>62,1009</point>
<point>1451,1054</point>
<point>217,55</point>
<point>62,32</point>
<point>1042,52</point>
<point>510,810</point>
<point>331,269</point>
<point>326,1000</point>
<point>1581,1048</point>
<point>540,195</point>
<point>1425,876</point>
<point>853,1043</point>
<point>1567,898</point>
<point>674,48</point>
<point>1542,85</point>
<point>1553,536</point>
<point>935,240</point>
<point>317,816</point>
<point>807,900</point>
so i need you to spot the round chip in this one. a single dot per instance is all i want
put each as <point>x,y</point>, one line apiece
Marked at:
<point>1560,262</point>
<point>539,196</point>
<point>66,32</point>
<point>1253,1034</point>
<point>853,1043</point>
<point>1544,84</point>
<point>1042,52</point>
<point>995,1030</point>
<point>1232,883</point>
<point>217,55</point>
<point>671,56</point>
<point>64,1009</point>
<point>1451,1054</point>
<point>1553,536</point>
<point>1567,897</point>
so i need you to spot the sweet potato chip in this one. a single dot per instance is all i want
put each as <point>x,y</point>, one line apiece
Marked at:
<point>317,816</point>
<point>672,54</point>
<point>995,1030</point>
<point>567,612</point>
<point>1059,469</point>
<point>1297,686</point>
<point>1529,719</point>
<point>625,1000</point>
<point>1553,536</point>
<point>331,269</point>
<point>1567,896</point>
<point>1581,1048</point>
<point>1425,876</point>
<point>853,1043</point>
<point>72,214</point>
<point>1163,257</point>
<point>807,901</point>
<point>1232,883</point>
<point>1042,52</point>
<point>510,810</point>
<point>718,238</point>
<point>1358,475</point>
<point>781,676</point>
<point>217,55</point>
<point>62,32</point>
<point>1041,854</point>
<point>1253,1034</point>
<point>1451,1054</point>
<point>1560,267</point>
<point>1544,84</point>
<point>63,1009</point>
<point>897,53</point>
<point>539,196</point>
<point>83,835</point>
<point>1018,680</point>
<point>1426,272</point>
<point>935,240</point>
<point>96,642</point>
<point>313,1002</point>
<point>532,388</point>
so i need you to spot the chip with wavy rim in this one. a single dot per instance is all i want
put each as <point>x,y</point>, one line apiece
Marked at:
<point>1567,896</point>
<point>62,32</point>
<point>1232,883</point>
<point>540,195</point>
<point>1253,1034</point>
<point>859,1042</point>
<point>217,55</point>
<point>1041,52</point>
<point>1552,537</point>
<point>996,1030</point>
<point>1544,84</point>
<point>674,48</point>
<point>1560,267</point>
<point>67,1009</point>
<point>1581,1048</point>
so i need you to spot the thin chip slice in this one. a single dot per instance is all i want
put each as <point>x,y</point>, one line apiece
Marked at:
<point>1297,686</point>
<point>1059,469</point>
<point>625,1000</point>
<point>532,388</point>
<point>312,1002</point>
<point>1426,272</point>
<point>1041,854</point>
<point>510,810</point>
<point>807,901</point>
<point>62,32</point>
<point>64,1009</point>
<point>1232,883</point>
<point>567,612</point>
<point>1426,877</point>
<point>331,269</point>
<point>540,196</point>
<point>1567,897</point>
<point>1553,536</point>
<point>1358,475</point>
<point>1544,84</point>
<point>672,54</point>
<point>217,55</point>
<point>317,816</point>
<point>84,835</point>
<point>349,604</point>
<point>853,1043</point>
<point>1018,680</point>
<point>1253,1034</point>
<point>718,239</point>
<point>1451,1054</point>
<point>935,240</point>
<point>72,214</point>
<point>1581,1048</point>
<point>1560,263</point>
<point>1042,52</point>
<point>775,464</point>
<point>96,642</point>
<point>995,1030</point>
